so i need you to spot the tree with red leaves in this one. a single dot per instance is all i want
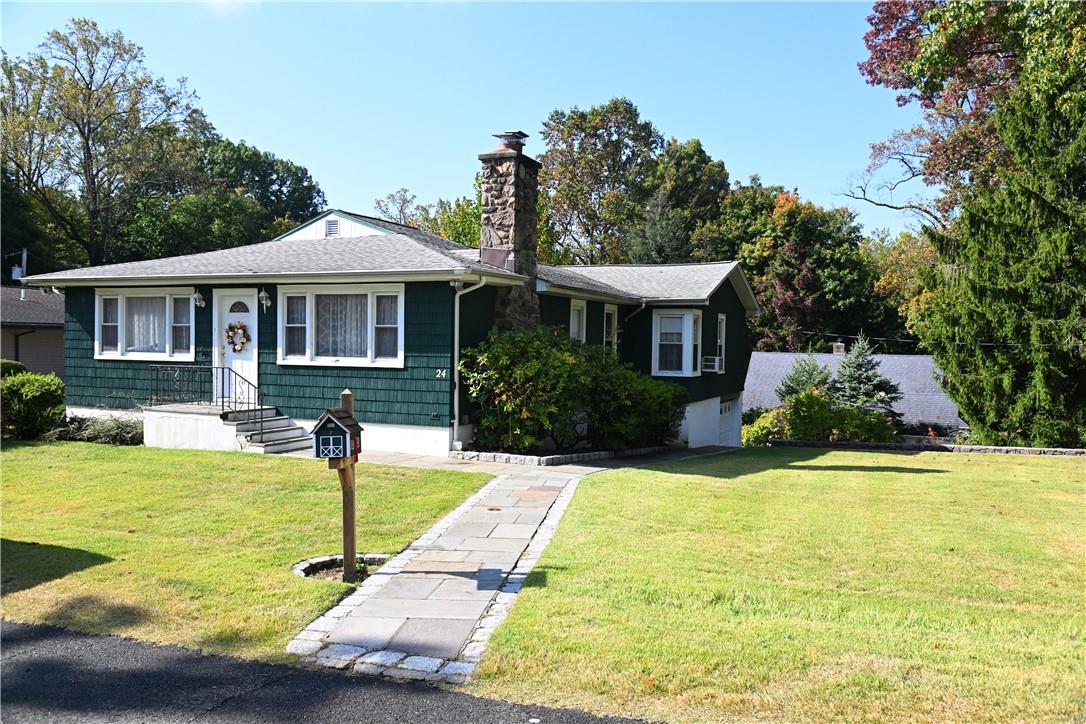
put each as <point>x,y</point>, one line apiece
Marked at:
<point>958,59</point>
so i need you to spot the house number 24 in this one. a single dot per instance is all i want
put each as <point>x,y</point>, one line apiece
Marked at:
<point>441,374</point>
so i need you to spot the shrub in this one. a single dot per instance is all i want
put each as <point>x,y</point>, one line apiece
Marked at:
<point>31,403</point>
<point>538,386</point>
<point>810,415</point>
<point>103,430</point>
<point>11,367</point>
<point>858,424</point>
<point>769,426</point>
<point>753,414</point>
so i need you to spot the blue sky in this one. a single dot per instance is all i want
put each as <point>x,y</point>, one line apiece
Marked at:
<point>374,97</point>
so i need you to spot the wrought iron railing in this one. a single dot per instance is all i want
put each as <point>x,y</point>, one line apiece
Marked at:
<point>220,387</point>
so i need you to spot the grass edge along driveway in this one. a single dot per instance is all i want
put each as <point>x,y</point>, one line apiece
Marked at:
<point>193,547</point>
<point>795,584</point>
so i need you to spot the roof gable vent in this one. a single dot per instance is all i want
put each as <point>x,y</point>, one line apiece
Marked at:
<point>331,227</point>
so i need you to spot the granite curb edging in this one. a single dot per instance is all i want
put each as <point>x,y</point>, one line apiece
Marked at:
<point>909,447</point>
<point>549,460</point>
<point>311,644</point>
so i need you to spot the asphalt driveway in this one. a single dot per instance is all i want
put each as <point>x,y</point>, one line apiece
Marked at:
<point>52,674</point>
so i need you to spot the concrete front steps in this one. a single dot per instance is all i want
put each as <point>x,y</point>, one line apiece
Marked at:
<point>280,435</point>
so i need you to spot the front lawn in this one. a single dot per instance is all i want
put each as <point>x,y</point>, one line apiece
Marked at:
<point>190,547</point>
<point>795,584</point>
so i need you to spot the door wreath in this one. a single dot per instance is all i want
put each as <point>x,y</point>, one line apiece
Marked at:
<point>237,336</point>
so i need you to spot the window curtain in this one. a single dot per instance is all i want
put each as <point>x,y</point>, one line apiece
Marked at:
<point>145,324</point>
<point>341,325</point>
<point>671,344</point>
<point>181,324</point>
<point>295,327</point>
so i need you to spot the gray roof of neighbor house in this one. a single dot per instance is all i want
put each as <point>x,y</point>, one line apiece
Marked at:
<point>407,250</point>
<point>923,400</point>
<point>38,309</point>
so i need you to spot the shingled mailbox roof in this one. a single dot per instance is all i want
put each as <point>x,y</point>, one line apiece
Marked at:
<point>342,418</point>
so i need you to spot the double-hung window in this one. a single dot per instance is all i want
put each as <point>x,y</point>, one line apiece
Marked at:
<point>144,324</point>
<point>577,314</point>
<point>358,325</point>
<point>676,335</point>
<point>610,327</point>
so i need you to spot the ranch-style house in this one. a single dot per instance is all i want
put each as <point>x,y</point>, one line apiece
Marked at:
<point>244,348</point>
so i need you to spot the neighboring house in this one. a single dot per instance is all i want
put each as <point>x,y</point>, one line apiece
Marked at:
<point>346,300</point>
<point>923,401</point>
<point>32,328</point>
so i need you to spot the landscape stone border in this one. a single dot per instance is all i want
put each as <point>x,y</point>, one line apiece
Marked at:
<point>399,665</point>
<point>546,460</point>
<point>322,563</point>
<point>891,446</point>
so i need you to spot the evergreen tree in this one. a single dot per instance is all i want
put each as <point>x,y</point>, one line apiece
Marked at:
<point>1007,318</point>
<point>858,382</point>
<point>806,375</point>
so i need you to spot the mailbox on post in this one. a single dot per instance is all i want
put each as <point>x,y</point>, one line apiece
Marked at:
<point>337,435</point>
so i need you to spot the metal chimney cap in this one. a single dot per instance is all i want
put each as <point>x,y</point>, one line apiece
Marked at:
<point>515,136</point>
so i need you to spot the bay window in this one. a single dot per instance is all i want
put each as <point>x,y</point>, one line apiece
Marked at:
<point>676,336</point>
<point>359,325</point>
<point>144,324</point>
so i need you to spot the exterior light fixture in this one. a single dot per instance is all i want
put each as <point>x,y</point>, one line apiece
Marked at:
<point>199,299</point>
<point>265,300</point>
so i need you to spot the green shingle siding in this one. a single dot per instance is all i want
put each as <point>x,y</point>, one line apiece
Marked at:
<point>414,395</point>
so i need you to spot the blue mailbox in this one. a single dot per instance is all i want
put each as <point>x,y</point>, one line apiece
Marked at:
<point>337,435</point>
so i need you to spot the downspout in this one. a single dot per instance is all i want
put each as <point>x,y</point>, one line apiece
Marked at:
<point>460,291</point>
<point>630,315</point>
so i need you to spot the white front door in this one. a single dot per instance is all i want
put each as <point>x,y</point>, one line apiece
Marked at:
<point>236,341</point>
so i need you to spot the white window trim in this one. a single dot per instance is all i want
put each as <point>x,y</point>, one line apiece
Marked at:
<point>310,359</point>
<point>721,339</point>
<point>583,306</point>
<point>121,296</point>
<point>688,316</point>
<point>611,309</point>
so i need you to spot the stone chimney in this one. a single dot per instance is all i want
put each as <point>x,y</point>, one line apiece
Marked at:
<point>509,236</point>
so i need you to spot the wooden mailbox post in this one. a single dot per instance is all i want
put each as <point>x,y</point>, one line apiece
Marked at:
<point>337,436</point>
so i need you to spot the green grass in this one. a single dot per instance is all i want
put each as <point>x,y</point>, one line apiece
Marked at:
<point>189,547</point>
<point>793,584</point>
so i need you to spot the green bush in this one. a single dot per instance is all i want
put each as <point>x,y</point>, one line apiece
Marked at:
<point>11,367</point>
<point>31,403</point>
<point>815,415</point>
<point>102,430</point>
<point>810,415</point>
<point>537,388</point>
<point>770,426</point>
<point>858,424</point>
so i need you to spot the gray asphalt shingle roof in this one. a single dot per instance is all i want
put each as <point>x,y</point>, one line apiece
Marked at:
<point>337,255</point>
<point>407,249</point>
<point>923,401</point>
<point>38,309</point>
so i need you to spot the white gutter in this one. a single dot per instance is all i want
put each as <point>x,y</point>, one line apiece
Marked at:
<point>628,316</point>
<point>460,291</point>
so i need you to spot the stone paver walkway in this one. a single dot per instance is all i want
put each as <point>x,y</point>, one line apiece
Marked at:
<point>428,612</point>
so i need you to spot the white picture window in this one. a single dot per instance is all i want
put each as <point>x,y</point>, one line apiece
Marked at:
<point>578,309</point>
<point>144,324</point>
<point>358,325</point>
<point>676,335</point>
<point>610,326</point>
<point>721,328</point>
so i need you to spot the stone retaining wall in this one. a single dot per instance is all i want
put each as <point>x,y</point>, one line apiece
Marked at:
<point>543,460</point>
<point>890,446</point>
